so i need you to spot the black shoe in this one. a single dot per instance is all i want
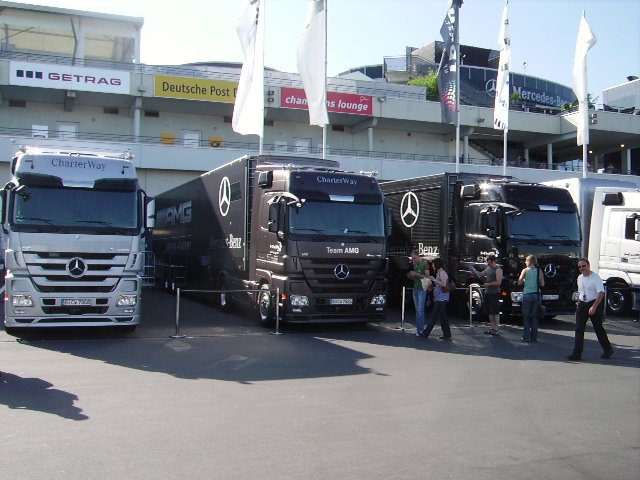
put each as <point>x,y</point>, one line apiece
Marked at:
<point>526,340</point>
<point>442,337</point>
<point>607,354</point>
<point>574,358</point>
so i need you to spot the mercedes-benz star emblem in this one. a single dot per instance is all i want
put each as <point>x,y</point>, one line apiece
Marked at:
<point>551,270</point>
<point>490,87</point>
<point>341,271</point>
<point>224,196</point>
<point>76,267</point>
<point>409,209</point>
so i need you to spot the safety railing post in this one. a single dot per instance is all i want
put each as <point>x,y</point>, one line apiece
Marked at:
<point>404,291</point>
<point>277,332</point>
<point>177,335</point>
<point>470,306</point>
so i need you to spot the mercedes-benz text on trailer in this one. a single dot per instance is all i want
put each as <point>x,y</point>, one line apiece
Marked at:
<point>463,218</point>
<point>260,223</point>
<point>73,226</point>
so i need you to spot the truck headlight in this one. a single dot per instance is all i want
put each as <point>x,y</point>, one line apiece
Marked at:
<point>299,300</point>
<point>516,297</point>
<point>379,300</point>
<point>127,301</point>
<point>21,301</point>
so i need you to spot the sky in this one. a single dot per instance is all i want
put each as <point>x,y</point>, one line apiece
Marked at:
<point>363,32</point>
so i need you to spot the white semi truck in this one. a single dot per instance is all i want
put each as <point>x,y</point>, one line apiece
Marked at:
<point>610,223</point>
<point>73,226</point>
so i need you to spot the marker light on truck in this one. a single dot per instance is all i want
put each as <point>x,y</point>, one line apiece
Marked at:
<point>379,300</point>
<point>126,300</point>
<point>21,301</point>
<point>299,301</point>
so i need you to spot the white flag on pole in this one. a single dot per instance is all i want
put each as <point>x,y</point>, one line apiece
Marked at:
<point>248,111</point>
<point>501,107</point>
<point>312,62</point>
<point>586,40</point>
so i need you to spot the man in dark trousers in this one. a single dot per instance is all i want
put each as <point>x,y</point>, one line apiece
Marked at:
<point>590,306</point>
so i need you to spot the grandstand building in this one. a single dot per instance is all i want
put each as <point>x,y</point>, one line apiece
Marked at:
<point>72,79</point>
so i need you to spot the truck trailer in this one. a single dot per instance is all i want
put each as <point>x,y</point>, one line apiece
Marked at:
<point>73,226</point>
<point>610,215</point>
<point>462,218</point>
<point>261,223</point>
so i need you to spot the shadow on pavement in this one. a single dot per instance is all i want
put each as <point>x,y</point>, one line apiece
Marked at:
<point>37,395</point>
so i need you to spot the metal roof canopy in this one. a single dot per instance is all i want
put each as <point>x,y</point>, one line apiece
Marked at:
<point>74,33</point>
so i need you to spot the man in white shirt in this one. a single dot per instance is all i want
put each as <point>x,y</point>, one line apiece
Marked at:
<point>590,306</point>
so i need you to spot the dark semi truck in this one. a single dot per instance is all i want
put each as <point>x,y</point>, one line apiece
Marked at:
<point>259,223</point>
<point>463,218</point>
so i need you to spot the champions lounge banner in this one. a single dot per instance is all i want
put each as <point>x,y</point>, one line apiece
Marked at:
<point>202,89</point>
<point>336,102</point>
<point>447,78</point>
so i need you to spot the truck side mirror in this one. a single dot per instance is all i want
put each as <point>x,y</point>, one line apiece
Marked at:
<point>150,212</point>
<point>3,202</point>
<point>388,215</point>
<point>274,216</point>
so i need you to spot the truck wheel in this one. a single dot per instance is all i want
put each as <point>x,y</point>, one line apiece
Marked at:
<point>618,299</point>
<point>265,306</point>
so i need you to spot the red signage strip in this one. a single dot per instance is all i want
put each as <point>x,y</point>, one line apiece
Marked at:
<point>336,102</point>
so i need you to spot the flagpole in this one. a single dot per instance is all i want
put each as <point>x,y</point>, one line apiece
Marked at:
<point>264,21</point>
<point>504,152</point>
<point>457,34</point>
<point>324,127</point>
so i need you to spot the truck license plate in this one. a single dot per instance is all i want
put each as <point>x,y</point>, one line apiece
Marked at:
<point>341,301</point>
<point>550,297</point>
<point>75,302</point>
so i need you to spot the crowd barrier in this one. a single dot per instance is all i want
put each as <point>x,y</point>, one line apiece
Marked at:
<point>179,291</point>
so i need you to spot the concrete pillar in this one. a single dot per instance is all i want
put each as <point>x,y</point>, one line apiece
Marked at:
<point>136,118</point>
<point>549,156</point>
<point>465,148</point>
<point>526,157</point>
<point>370,139</point>
<point>628,162</point>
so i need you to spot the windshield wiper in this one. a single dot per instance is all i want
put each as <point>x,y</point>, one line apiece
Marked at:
<point>104,223</point>
<point>530,237</point>
<point>48,221</point>
<point>315,230</point>
<point>564,237</point>
<point>366,235</point>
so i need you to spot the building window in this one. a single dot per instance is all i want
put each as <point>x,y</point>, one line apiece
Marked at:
<point>152,113</point>
<point>17,103</point>
<point>110,111</point>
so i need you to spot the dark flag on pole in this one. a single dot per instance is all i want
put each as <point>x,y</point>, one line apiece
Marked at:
<point>447,73</point>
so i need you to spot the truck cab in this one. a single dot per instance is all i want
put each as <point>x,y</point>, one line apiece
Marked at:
<point>73,225</point>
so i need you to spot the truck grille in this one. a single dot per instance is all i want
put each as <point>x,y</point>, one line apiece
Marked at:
<point>63,272</point>
<point>320,274</point>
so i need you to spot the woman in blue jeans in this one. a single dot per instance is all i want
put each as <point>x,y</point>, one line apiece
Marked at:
<point>533,279</point>
<point>420,270</point>
<point>440,300</point>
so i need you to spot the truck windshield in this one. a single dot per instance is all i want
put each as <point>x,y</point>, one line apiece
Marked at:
<point>337,219</point>
<point>76,209</point>
<point>554,226</point>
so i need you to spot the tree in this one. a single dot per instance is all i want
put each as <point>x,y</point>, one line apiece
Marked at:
<point>430,81</point>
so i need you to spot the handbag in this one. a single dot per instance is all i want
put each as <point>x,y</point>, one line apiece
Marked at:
<point>426,283</point>
<point>541,310</point>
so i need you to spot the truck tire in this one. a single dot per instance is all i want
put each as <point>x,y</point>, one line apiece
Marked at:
<point>266,313</point>
<point>618,299</point>
<point>477,302</point>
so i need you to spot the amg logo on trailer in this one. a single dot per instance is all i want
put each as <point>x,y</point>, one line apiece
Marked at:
<point>173,215</point>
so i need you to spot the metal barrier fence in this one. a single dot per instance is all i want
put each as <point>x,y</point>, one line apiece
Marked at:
<point>179,291</point>
<point>470,288</point>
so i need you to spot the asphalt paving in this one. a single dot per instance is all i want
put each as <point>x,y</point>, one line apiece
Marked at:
<point>232,400</point>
